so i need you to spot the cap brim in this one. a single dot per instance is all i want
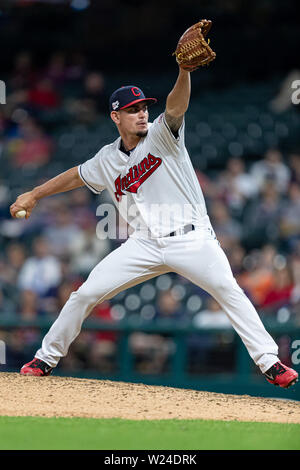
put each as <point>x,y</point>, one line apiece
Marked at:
<point>148,100</point>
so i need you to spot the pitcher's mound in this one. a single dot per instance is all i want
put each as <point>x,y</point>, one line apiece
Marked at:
<point>70,397</point>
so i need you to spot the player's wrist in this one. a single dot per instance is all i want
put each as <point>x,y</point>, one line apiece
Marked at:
<point>36,194</point>
<point>183,71</point>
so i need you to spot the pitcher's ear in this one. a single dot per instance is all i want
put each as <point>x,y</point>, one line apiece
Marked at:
<point>115,117</point>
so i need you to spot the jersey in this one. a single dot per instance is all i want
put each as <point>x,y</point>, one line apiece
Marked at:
<point>155,188</point>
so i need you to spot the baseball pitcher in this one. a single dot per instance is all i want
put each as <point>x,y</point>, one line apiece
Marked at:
<point>145,169</point>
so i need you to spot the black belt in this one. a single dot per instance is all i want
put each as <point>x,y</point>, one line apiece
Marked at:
<point>182,231</point>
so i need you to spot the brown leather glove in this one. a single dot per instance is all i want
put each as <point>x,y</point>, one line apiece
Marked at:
<point>192,49</point>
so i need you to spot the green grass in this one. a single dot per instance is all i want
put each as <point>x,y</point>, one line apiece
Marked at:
<point>35,433</point>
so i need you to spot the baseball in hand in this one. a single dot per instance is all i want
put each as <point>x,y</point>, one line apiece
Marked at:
<point>21,214</point>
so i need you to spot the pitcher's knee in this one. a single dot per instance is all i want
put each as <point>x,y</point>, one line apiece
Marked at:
<point>86,296</point>
<point>226,286</point>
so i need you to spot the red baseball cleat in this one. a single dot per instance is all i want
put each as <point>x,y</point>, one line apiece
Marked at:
<point>36,367</point>
<point>281,375</point>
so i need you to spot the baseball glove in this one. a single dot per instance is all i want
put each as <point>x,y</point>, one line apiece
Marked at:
<point>192,49</point>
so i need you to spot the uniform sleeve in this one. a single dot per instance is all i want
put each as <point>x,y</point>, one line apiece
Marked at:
<point>164,139</point>
<point>91,173</point>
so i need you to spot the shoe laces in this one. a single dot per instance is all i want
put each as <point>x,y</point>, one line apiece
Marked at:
<point>38,364</point>
<point>276,369</point>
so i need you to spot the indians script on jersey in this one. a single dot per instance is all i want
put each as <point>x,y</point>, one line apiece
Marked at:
<point>136,175</point>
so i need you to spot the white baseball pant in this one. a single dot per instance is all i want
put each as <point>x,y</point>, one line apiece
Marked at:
<point>197,256</point>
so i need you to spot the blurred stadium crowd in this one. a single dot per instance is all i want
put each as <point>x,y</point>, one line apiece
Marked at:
<point>55,118</point>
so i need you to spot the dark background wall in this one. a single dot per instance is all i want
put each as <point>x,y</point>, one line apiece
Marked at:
<point>253,40</point>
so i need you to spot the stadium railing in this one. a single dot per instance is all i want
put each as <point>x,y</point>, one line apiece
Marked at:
<point>243,378</point>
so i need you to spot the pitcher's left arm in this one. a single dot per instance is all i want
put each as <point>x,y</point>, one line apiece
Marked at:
<point>178,101</point>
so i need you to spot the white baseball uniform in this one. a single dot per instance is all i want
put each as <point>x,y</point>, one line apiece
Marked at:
<point>157,192</point>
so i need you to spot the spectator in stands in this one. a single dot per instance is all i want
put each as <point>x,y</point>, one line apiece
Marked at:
<point>88,251</point>
<point>76,67</point>
<point>64,291</point>
<point>63,235</point>
<point>79,353</point>
<point>236,256</point>
<point>290,218</point>
<point>228,230</point>
<point>3,275</point>
<point>212,317</point>
<point>7,307</point>
<point>211,352</point>
<point>24,73</point>
<point>16,342</point>
<point>28,307</point>
<point>257,278</point>
<point>40,275</point>
<point>94,90</point>
<point>43,95</point>
<point>271,167</point>
<point>262,216</point>
<point>104,346</point>
<point>15,258</point>
<point>294,165</point>
<point>53,304</point>
<point>153,351</point>
<point>32,148</point>
<point>4,195</point>
<point>3,123</point>
<point>10,265</point>
<point>168,307</point>
<point>88,247</point>
<point>68,274</point>
<point>92,100</point>
<point>209,186</point>
<point>56,70</point>
<point>279,293</point>
<point>83,207</point>
<point>236,185</point>
<point>295,295</point>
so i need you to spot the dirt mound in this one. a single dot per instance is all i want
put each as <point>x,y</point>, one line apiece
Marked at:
<point>69,397</point>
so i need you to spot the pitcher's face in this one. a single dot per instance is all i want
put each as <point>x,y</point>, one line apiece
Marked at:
<point>132,120</point>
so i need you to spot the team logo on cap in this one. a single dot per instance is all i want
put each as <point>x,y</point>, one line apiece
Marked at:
<point>115,105</point>
<point>135,91</point>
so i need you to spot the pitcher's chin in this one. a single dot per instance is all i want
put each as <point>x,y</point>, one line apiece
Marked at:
<point>142,133</point>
